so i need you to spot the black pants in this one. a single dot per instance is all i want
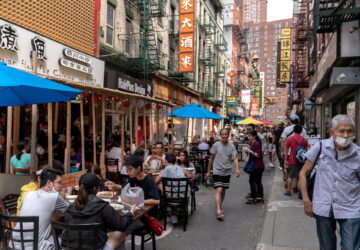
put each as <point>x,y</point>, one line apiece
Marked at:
<point>278,153</point>
<point>256,186</point>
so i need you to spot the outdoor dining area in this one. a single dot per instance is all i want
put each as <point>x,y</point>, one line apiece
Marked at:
<point>78,139</point>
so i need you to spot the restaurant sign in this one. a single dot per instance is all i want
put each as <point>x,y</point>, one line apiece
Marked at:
<point>17,45</point>
<point>118,80</point>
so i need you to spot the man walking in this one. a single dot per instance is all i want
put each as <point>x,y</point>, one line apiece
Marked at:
<point>223,157</point>
<point>336,196</point>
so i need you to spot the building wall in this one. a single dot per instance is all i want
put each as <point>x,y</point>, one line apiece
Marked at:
<point>262,39</point>
<point>254,11</point>
<point>70,22</point>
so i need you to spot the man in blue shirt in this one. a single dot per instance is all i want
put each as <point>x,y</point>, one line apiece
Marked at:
<point>336,197</point>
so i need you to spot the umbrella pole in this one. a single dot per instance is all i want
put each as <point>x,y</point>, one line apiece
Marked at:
<point>68,138</point>
<point>34,118</point>
<point>16,128</point>
<point>157,118</point>
<point>122,129</point>
<point>136,123</point>
<point>82,132</point>
<point>56,118</point>
<point>8,137</point>
<point>187,131</point>
<point>144,126</point>
<point>131,125</point>
<point>50,135</point>
<point>94,126</point>
<point>103,124</point>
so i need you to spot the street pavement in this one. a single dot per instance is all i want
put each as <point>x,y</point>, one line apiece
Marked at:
<point>240,229</point>
<point>286,227</point>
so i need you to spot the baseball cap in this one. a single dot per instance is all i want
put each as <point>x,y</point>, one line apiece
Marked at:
<point>294,117</point>
<point>90,180</point>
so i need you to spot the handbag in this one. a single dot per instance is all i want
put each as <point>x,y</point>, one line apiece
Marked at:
<point>249,165</point>
<point>154,225</point>
<point>310,179</point>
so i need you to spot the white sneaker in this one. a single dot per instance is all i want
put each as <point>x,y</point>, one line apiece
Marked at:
<point>174,219</point>
<point>271,165</point>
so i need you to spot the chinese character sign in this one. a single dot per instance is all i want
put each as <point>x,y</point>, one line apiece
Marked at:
<point>187,35</point>
<point>284,58</point>
<point>8,38</point>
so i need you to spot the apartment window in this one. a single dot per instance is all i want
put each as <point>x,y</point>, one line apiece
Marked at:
<point>172,18</point>
<point>110,24</point>
<point>159,44</point>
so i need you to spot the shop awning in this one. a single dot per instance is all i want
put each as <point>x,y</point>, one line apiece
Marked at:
<point>112,92</point>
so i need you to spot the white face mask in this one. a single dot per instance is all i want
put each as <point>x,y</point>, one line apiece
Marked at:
<point>343,142</point>
<point>52,190</point>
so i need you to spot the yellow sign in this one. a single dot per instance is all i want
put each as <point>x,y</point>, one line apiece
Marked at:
<point>284,76</point>
<point>285,55</point>
<point>285,44</point>
<point>285,32</point>
<point>285,66</point>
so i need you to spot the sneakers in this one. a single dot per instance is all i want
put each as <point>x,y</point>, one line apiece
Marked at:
<point>174,219</point>
<point>287,193</point>
<point>271,165</point>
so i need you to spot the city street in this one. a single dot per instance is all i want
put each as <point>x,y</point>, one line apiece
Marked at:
<point>240,229</point>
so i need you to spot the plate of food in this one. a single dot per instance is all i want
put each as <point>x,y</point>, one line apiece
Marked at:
<point>117,206</point>
<point>71,198</point>
<point>189,169</point>
<point>105,194</point>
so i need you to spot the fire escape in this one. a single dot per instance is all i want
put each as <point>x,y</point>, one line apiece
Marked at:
<point>327,16</point>
<point>150,58</point>
<point>300,47</point>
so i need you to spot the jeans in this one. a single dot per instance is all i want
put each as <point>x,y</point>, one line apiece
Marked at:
<point>256,186</point>
<point>349,233</point>
<point>278,154</point>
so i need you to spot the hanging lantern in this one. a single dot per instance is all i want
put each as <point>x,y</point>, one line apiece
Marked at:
<point>116,99</point>
<point>107,99</point>
<point>85,95</point>
<point>147,106</point>
<point>158,106</point>
<point>126,103</point>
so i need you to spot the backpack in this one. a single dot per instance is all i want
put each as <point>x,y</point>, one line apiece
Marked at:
<point>300,153</point>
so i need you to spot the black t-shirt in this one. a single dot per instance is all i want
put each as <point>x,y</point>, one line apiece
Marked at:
<point>148,186</point>
<point>278,133</point>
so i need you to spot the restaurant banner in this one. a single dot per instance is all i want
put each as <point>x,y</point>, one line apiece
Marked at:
<point>187,35</point>
<point>245,96</point>
<point>284,58</point>
<point>114,79</point>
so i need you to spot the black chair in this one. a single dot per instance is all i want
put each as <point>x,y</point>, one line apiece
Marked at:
<point>146,235</point>
<point>10,203</point>
<point>110,175</point>
<point>14,237</point>
<point>60,229</point>
<point>175,196</point>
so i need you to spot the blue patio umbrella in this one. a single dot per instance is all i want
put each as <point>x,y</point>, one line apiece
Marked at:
<point>18,88</point>
<point>194,110</point>
<point>236,121</point>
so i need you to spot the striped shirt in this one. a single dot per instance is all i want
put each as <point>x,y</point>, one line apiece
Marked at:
<point>337,183</point>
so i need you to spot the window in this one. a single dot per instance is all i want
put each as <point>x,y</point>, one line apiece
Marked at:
<point>110,24</point>
<point>159,44</point>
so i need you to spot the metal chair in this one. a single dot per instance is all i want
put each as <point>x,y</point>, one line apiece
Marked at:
<point>63,230</point>
<point>111,175</point>
<point>20,237</point>
<point>146,235</point>
<point>175,196</point>
<point>10,203</point>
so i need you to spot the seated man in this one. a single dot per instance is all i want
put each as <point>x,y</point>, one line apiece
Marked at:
<point>203,145</point>
<point>157,159</point>
<point>172,170</point>
<point>43,203</point>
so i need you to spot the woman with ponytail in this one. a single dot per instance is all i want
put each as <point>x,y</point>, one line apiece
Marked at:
<point>20,163</point>
<point>88,208</point>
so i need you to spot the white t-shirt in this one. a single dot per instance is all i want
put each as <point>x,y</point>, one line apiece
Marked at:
<point>203,146</point>
<point>114,153</point>
<point>43,204</point>
<point>290,131</point>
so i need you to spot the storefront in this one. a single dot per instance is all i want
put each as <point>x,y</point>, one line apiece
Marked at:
<point>335,86</point>
<point>29,51</point>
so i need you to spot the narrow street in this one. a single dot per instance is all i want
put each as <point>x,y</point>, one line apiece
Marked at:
<point>240,229</point>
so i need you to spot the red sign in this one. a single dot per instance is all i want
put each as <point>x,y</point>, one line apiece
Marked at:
<point>187,35</point>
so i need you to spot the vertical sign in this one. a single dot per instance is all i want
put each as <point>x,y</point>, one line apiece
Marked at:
<point>256,98</point>
<point>187,35</point>
<point>284,58</point>
<point>291,86</point>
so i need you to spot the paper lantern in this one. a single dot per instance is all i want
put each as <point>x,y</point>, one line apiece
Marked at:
<point>158,106</point>
<point>126,104</point>
<point>147,106</point>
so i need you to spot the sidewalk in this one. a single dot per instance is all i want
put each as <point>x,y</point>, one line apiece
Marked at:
<point>286,226</point>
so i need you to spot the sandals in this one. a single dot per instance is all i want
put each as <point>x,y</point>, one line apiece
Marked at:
<point>250,201</point>
<point>220,216</point>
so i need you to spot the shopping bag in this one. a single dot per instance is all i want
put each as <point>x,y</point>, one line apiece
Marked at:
<point>133,196</point>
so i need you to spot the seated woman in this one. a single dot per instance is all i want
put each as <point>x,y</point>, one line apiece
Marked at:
<point>33,185</point>
<point>75,160</point>
<point>88,208</point>
<point>184,162</point>
<point>20,163</point>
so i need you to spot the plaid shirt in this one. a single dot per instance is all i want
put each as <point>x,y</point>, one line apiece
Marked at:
<point>337,184</point>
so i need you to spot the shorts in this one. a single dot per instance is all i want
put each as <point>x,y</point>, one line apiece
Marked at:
<point>293,171</point>
<point>221,181</point>
<point>271,148</point>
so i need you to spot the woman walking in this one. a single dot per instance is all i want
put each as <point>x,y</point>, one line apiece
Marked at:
<point>255,153</point>
<point>272,151</point>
